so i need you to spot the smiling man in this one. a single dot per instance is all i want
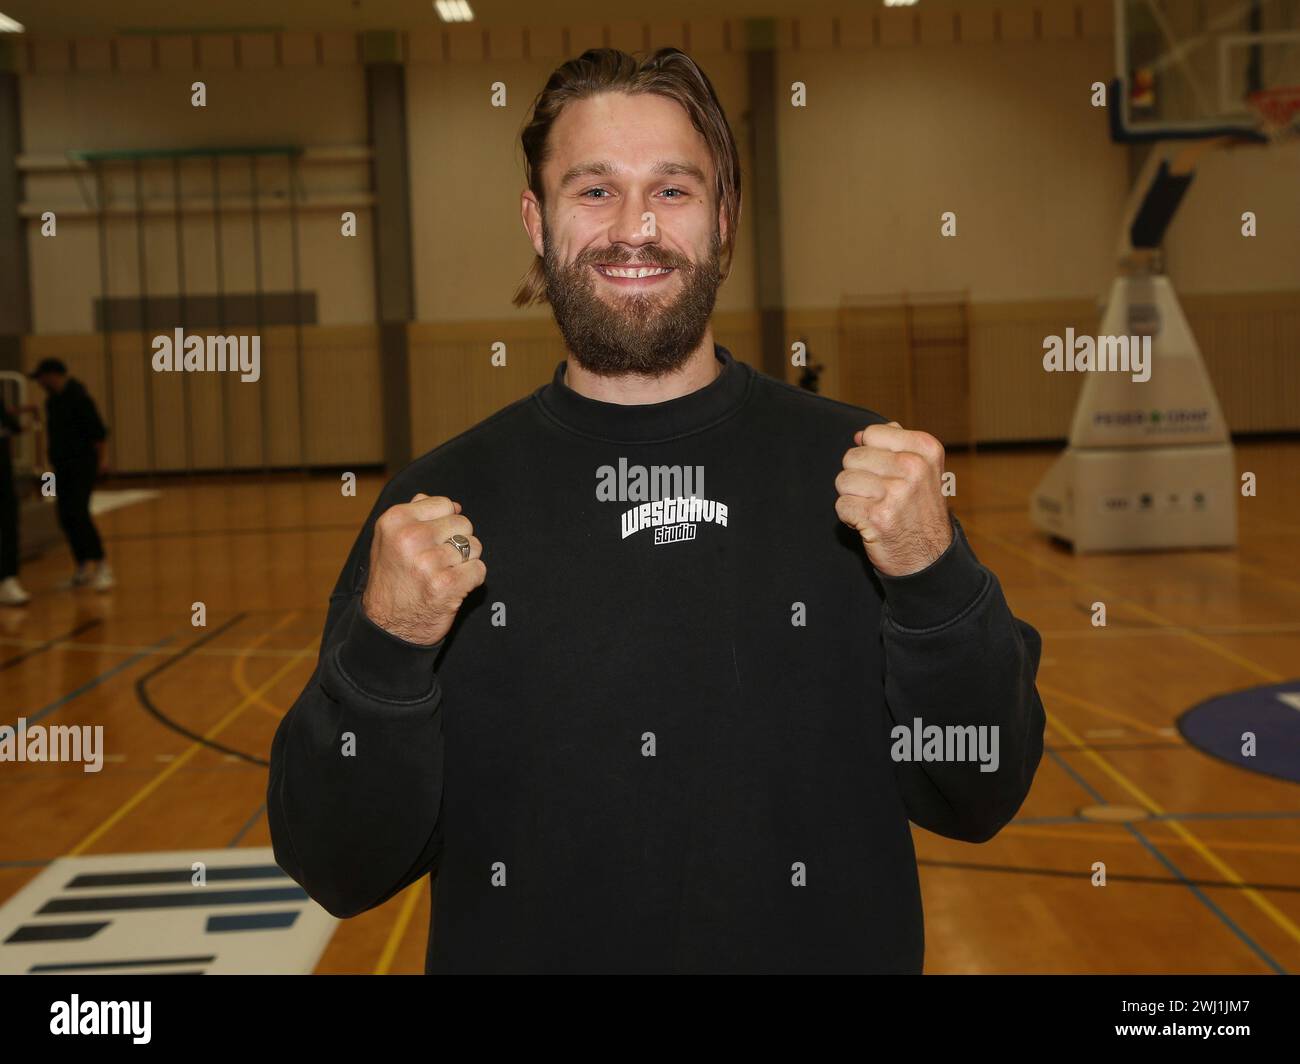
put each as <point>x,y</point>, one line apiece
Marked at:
<point>684,719</point>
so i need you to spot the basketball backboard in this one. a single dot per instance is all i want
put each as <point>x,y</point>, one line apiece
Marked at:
<point>1192,69</point>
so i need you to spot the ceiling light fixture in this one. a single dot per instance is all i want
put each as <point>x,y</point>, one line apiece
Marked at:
<point>454,10</point>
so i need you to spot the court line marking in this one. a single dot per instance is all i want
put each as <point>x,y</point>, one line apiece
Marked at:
<point>145,651</point>
<point>146,699</point>
<point>1254,570</point>
<point>90,685</point>
<point>1117,877</point>
<point>1167,840</point>
<point>1112,714</point>
<point>1067,748</point>
<point>1075,581</point>
<point>1260,902</point>
<point>1151,848</point>
<point>1204,852</point>
<point>76,772</point>
<point>248,826</point>
<point>272,530</point>
<point>239,673</point>
<point>413,894</point>
<point>1256,815</point>
<point>131,803</point>
<point>1107,595</point>
<point>1127,631</point>
<point>36,646</point>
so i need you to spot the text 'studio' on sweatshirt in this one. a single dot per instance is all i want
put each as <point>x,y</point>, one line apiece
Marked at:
<point>684,723</point>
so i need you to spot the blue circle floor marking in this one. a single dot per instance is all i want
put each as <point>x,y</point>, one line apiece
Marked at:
<point>1271,713</point>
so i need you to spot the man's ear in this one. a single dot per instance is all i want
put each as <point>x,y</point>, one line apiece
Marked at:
<point>530,210</point>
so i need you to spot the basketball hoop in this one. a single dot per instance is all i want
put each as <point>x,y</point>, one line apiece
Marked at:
<point>1279,111</point>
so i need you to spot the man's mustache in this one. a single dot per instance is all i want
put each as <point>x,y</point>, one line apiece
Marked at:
<point>648,256</point>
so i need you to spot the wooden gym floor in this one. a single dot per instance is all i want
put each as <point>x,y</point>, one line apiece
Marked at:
<point>1207,881</point>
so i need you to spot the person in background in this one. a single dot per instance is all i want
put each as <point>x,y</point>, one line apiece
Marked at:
<point>76,441</point>
<point>12,593</point>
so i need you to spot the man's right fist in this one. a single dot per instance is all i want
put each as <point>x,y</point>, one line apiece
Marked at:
<point>417,579</point>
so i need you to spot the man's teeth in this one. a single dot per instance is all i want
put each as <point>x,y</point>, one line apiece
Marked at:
<point>633,271</point>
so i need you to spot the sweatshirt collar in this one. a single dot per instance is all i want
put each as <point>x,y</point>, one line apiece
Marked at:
<point>652,422</point>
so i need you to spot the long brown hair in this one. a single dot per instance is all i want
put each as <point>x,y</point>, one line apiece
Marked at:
<point>669,72</point>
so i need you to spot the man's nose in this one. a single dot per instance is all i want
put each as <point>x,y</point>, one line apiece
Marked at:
<point>635,224</point>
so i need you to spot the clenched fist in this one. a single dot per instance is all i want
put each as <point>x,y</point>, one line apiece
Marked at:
<point>417,579</point>
<point>891,492</point>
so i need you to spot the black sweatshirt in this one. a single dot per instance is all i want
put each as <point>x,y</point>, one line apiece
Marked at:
<point>648,749</point>
<point>73,424</point>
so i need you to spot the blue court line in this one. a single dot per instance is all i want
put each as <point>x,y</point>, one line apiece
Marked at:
<point>248,826</point>
<point>1163,816</point>
<point>45,711</point>
<point>1174,870</point>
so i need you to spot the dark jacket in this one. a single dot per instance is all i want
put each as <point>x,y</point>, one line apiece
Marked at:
<point>9,426</point>
<point>73,424</point>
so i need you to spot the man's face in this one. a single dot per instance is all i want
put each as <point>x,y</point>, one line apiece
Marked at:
<point>51,382</point>
<point>631,233</point>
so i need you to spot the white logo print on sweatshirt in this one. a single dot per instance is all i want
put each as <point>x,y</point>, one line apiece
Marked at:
<point>673,520</point>
<point>673,506</point>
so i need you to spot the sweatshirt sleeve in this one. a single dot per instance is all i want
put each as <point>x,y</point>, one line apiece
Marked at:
<point>356,764</point>
<point>954,657</point>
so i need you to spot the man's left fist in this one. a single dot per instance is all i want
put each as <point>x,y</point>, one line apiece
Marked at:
<point>890,491</point>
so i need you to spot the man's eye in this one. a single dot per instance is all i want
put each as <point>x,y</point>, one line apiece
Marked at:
<point>677,192</point>
<point>592,191</point>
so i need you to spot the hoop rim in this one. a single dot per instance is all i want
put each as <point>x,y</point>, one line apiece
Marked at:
<point>1279,107</point>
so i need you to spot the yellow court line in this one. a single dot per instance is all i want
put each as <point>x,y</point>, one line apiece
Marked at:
<point>1102,711</point>
<point>1106,594</point>
<point>181,759</point>
<point>1258,900</point>
<point>240,676</point>
<point>1255,570</point>
<point>404,914</point>
<point>1074,580</point>
<point>1164,840</point>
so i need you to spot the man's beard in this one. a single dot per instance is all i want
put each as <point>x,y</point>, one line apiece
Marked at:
<point>632,333</point>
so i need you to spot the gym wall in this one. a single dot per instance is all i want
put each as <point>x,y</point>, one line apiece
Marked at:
<point>861,194</point>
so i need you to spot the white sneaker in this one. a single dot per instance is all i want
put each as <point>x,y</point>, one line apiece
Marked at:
<point>78,579</point>
<point>12,593</point>
<point>103,580</point>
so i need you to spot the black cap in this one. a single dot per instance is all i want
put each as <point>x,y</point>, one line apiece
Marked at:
<point>48,365</point>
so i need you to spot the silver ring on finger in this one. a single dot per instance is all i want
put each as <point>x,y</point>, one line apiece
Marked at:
<point>461,544</point>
